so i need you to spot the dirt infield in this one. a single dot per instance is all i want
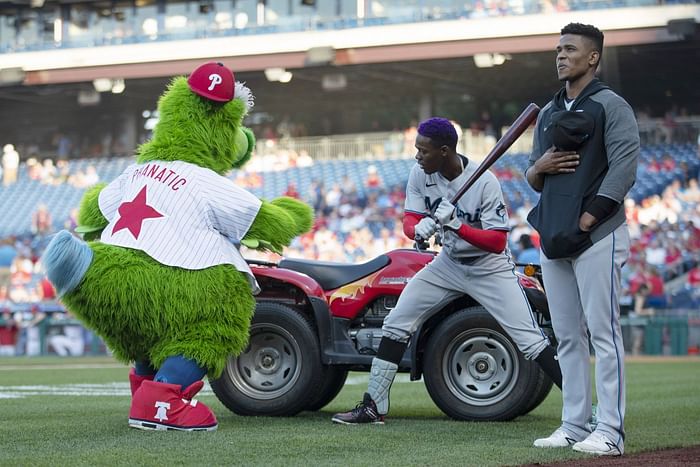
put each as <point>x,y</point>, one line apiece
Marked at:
<point>681,457</point>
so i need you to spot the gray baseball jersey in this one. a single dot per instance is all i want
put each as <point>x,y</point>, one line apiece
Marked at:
<point>482,207</point>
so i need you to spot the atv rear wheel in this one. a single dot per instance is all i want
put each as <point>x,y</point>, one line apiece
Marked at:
<point>278,370</point>
<point>474,371</point>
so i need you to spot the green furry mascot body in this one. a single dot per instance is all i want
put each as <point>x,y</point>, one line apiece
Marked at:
<point>176,322</point>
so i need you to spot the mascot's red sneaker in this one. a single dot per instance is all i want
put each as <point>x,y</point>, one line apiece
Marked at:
<point>163,406</point>
<point>136,380</point>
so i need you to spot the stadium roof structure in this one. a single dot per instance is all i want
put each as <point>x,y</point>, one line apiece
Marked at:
<point>366,78</point>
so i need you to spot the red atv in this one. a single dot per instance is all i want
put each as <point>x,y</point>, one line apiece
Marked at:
<point>315,321</point>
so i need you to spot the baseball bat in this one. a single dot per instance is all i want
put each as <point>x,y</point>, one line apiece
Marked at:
<point>518,127</point>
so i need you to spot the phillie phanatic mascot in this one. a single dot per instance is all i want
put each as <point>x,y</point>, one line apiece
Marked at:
<point>159,276</point>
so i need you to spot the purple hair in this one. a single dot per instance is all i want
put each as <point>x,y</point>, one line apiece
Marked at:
<point>440,131</point>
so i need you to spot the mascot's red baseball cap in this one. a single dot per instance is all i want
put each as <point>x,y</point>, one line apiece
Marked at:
<point>213,81</point>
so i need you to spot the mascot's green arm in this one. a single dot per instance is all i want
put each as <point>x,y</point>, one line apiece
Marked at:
<point>277,223</point>
<point>91,222</point>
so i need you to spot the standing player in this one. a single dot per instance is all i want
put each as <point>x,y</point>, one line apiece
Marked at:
<point>473,261</point>
<point>589,166</point>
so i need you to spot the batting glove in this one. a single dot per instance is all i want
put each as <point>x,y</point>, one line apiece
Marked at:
<point>426,228</point>
<point>445,215</point>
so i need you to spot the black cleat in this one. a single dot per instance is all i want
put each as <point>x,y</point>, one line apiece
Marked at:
<point>364,412</point>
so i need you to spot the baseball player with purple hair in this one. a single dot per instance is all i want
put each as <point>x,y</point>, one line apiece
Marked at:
<point>474,261</point>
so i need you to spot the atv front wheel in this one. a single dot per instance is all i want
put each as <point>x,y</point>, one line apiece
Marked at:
<point>278,370</point>
<point>474,371</point>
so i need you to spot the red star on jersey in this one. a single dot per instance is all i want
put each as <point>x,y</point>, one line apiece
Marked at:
<point>133,213</point>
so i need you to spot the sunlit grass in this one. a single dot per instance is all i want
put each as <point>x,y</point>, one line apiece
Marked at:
<point>45,429</point>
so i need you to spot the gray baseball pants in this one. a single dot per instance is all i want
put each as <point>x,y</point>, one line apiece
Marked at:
<point>583,296</point>
<point>490,280</point>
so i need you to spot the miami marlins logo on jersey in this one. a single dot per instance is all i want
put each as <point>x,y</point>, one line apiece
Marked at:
<point>501,210</point>
<point>470,217</point>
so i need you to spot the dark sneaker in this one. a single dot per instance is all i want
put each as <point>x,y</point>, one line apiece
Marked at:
<point>364,412</point>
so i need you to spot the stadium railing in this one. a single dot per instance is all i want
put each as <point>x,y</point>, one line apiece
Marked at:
<point>379,145</point>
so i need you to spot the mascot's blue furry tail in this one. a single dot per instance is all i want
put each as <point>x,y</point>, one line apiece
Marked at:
<point>66,260</point>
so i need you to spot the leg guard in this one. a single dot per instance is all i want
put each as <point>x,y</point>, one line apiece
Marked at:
<point>380,379</point>
<point>547,360</point>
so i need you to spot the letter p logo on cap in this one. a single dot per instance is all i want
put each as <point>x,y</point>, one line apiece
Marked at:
<point>212,81</point>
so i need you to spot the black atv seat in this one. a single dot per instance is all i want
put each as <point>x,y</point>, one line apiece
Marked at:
<point>333,275</point>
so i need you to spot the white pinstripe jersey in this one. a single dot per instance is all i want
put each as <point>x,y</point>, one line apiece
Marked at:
<point>480,207</point>
<point>180,214</point>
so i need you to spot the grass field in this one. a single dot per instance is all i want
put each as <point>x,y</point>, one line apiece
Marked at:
<point>73,411</point>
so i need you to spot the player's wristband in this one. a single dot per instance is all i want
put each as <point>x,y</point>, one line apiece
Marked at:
<point>601,207</point>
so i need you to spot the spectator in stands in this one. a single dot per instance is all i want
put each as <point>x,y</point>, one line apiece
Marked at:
<point>348,186</point>
<point>84,179</point>
<point>670,205</point>
<point>77,178</point>
<point>21,270</point>
<point>332,198</point>
<point>42,221</point>
<point>48,172</point>
<point>91,176</point>
<point>657,295</point>
<point>641,309</point>
<point>33,169</point>
<point>70,342</point>
<point>304,159</point>
<point>291,191</point>
<point>519,227</point>
<point>667,164</point>
<point>487,127</point>
<point>373,181</point>
<point>528,253</point>
<point>397,195</point>
<point>673,263</point>
<point>62,172</point>
<point>7,256</point>
<point>655,253</point>
<point>691,193</point>
<point>668,127</point>
<point>10,164</point>
<point>63,145</point>
<point>45,291</point>
<point>385,242</point>
<point>694,277</point>
<point>72,221</point>
<point>315,195</point>
<point>9,329</point>
<point>28,340</point>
